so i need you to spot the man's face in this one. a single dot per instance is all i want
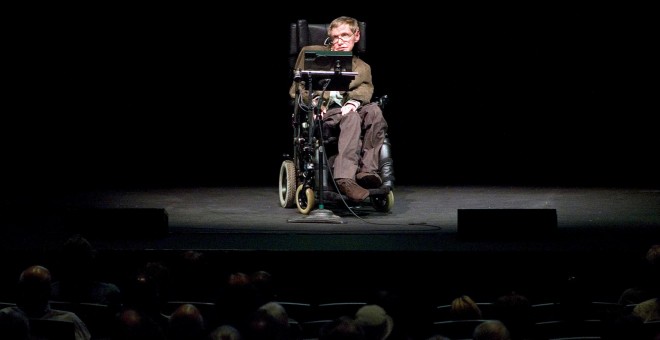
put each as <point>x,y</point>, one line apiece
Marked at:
<point>343,39</point>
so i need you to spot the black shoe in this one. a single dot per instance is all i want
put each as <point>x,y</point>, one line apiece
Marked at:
<point>369,180</point>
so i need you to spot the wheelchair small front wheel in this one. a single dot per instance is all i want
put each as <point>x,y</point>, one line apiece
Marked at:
<point>305,201</point>
<point>383,203</point>
<point>287,187</point>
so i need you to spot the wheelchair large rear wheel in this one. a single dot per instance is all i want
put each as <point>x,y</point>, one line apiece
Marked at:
<point>383,203</point>
<point>305,200</point>
<point>287,185</point>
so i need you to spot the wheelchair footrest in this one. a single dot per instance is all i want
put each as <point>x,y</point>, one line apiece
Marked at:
<point>331,196</point>
<point>383,190</point>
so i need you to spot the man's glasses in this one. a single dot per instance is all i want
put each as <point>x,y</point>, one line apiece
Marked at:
<point>344,37</point>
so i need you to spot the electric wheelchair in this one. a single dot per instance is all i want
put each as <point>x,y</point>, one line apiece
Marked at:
<point>305,177</point>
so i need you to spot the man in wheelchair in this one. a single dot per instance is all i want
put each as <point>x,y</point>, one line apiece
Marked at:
<point>360,123</point>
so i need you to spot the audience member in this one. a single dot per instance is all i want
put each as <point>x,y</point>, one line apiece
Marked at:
<point>263,283</point>
<point>491,330</point>
<point>438,337</point>
<point>277,311</point>
<point>186,323</point>
<point>236,301</point>
<point>76,271</point>
<point>413,315</point>
<point>193,277</point>
<point>464,308</point>
<point>648,310</point>
<point>375,322</point>
<point>148,290</point>
<point>647,285</point>
<point>268,322</point>
<point>131,324</point>
<point>515,311</point>
<point>225,332</point>
<point>342,328</point>
<point>32,301</point>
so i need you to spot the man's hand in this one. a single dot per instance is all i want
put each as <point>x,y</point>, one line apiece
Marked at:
<point>315,103</point>
<point>323,111</point>
<point>348,108</point>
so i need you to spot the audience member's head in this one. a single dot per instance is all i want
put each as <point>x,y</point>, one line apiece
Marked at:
<point>647,284</point>
<point>653,255</point>
<point>653,260</point>
<point>263,283</point>
<point>238,279</point>
<point>225,332</point>
<point>134,325</point>
<point>193,257</point>
<point>192,276</point>
<point>438,337</point>
<point>77,257</point>
<point>491,330</point>
<point>34,291</point>
<point>149,288</point>
<point>75,276</point>
<point>159,274</point>
<point>186,323</point>
<point>342,328</point>
<point>464,308</point>
<point>375,322</point>
<point>515,311</point>
<point>262,325</point>
<point>236,301</point>
<point>277,311</point>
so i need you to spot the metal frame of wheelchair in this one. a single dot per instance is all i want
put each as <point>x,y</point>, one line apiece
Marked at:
<point>302,182</point>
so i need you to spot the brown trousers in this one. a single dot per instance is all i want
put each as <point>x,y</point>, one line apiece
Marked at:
<point>357,153</point>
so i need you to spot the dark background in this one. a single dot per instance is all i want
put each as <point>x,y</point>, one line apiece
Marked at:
<point>120,96</point>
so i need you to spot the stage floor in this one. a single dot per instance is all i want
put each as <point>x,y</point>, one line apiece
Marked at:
<point>423,218</point>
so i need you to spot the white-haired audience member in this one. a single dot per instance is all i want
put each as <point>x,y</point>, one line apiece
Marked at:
<point>225,332</point>
<point>375,322</point>
<point>491,330</point>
